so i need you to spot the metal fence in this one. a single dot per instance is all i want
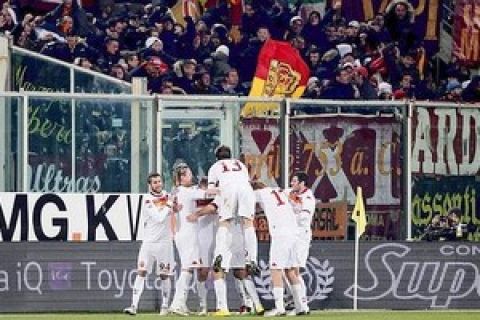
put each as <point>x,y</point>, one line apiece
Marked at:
<point>413,159</point>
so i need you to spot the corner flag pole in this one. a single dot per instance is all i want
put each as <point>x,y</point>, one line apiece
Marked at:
<point>359,216</point>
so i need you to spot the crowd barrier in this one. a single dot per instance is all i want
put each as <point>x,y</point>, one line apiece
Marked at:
<point>414,160</point>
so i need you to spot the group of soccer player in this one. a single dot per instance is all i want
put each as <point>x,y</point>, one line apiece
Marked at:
<point>212,227</point>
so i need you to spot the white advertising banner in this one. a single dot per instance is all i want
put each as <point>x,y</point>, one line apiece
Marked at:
<point>69,217</point>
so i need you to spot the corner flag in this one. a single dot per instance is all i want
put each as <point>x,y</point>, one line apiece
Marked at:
<point>358,213</point>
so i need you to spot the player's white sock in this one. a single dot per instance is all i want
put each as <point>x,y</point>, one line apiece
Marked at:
<point>297,296</point>
<point>287,285</point>
<point>202,294</point>
<point>181,289</point>
<point>166,287</point>
<point>252,291</point>
<point>243,293</point>
<point>251,243</point>
<point>221,293</point>
<point>138,286</point>
<point>278,296</point>
<point>303,296</point>
<point>223,241</point>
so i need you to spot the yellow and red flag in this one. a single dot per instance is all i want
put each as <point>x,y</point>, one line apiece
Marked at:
<point>281,72</point>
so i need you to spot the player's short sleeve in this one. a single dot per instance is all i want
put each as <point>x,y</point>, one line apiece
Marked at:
<point>212,175</point>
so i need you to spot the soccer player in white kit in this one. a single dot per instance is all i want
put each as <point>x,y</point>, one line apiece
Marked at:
<point>207,229</point>
<point>236,263</point>
<point>157,245</point>
<point>303,202</point>
<point>230,177</point>
<point>281,218</point>
<point>236,199</point>
<point>186,235</point>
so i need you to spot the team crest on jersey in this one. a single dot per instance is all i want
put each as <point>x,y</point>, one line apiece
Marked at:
<point>318,278</point>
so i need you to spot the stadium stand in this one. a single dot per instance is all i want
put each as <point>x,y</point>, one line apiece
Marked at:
<point>381,58</point>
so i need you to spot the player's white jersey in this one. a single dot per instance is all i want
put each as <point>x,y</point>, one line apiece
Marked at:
<point>278,210</point>
<point>228,173</point>
<point>303,203</point>
<point>187,197</point>
<point>156,220</point>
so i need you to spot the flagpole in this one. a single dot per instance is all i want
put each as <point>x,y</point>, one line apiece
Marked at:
<point>359,216</point>
<point>355,276</point>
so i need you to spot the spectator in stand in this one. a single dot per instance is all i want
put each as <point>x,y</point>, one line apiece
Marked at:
<point>186,39</point>
<point>230,84</point>
<point>81,25</point>
<point>365,88</point>
<point>342,87</point>
<point>406,88</point>
<point>154,70</point>
<point>203,83</point>
<point>313,90</point>
<point>24,32</point>
<point>84,63</point>
<point>313,31</point>
<point>118,72</point>
<point>279,17</point>
<point>384,48</point>
<point>313,61</point>
<point>8,18</point>
<point>252,18</point>
<point>295,28</point>
<point>115,31</point>
<point>185,77</point>
<point>220,65</point>
<point>109,56</point>
<point>250,55</point>
<point>131,61</point>
<point>202,46</point>
<point>68,50</point>
<point>154,48</point>
<point>168,36</point>
<point>385,91</point>
<point>399,19</point>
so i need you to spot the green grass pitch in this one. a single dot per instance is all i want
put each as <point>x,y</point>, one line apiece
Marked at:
<point>321,315</point>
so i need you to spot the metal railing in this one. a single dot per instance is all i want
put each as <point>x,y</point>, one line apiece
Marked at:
<point>397,151</point>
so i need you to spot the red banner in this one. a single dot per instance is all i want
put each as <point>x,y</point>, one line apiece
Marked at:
<point>466,36</point>
<point>338,154</point>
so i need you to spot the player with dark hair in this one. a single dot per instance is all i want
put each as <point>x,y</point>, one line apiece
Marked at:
<point>157,245</point>
<point>282,258</point>
<point>303,203</point>
<point>230,180</point>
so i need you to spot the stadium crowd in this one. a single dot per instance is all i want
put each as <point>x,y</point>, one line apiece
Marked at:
<point>382,58</point>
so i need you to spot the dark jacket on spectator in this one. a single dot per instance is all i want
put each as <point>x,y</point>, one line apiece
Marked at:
<point>60,50</point>
<point>472,91</point>
<point>338,90</point>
